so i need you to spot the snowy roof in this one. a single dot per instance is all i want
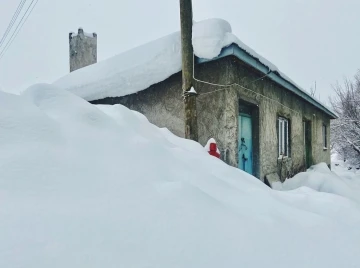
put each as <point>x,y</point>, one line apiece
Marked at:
<point>141,67</point>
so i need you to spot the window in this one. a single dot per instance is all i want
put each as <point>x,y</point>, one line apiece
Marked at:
<point>283,129</point>
<point>324,134</point>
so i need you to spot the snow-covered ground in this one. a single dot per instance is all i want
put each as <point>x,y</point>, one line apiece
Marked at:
<point>99,186</point>
<point>339,181</point>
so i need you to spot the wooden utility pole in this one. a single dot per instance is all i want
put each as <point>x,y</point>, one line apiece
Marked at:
<point>186,19</point>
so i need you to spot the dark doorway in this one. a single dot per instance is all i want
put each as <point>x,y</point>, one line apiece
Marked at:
<point>307,144</point>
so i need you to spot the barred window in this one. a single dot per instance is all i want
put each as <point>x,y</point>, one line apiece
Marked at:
<point>324,134</point>
<point>283,129</point>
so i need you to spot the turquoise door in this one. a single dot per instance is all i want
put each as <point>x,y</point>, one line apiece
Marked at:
<point>245,143</point>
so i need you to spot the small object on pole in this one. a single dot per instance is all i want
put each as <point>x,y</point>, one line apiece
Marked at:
<point>186,21</point>
<point>189,93</point>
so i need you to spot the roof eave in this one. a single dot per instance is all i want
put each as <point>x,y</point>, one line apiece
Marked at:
<point>234,50</point>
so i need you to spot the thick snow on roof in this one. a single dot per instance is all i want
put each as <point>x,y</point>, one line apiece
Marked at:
<point>128,72</point>
<point>212,35</point>
<point>139,68</point>
<point>99,186</point>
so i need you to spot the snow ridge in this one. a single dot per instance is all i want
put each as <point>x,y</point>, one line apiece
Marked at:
<point>99,186</point>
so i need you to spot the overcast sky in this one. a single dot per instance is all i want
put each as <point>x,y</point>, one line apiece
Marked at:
<point>309,40</point>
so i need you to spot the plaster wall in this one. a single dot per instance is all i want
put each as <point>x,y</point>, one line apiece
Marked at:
<point>218,110</point>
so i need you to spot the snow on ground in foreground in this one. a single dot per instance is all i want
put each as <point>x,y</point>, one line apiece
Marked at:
<point>88,186</point>
<point>320,178</point>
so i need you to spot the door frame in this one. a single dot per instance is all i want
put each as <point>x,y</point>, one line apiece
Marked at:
<point>253,113</point>
<point>307,135</point>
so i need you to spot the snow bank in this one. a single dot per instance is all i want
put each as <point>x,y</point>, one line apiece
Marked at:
<point>17,116</point>
<point>99,186</point>
<point>320,178</point>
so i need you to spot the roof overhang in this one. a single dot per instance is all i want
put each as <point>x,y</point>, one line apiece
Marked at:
<point>235,50</point>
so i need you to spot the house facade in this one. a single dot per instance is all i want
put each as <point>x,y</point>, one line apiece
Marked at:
<point>263,123</point>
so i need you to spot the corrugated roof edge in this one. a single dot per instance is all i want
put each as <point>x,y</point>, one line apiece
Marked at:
<point>244,56</point>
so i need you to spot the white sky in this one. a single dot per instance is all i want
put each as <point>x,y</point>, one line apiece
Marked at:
<point>307,39</point>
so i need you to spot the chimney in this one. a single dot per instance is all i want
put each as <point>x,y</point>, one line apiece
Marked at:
<point>82,49</point>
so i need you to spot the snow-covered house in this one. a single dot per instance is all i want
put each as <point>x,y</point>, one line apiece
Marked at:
<point>263,122</point>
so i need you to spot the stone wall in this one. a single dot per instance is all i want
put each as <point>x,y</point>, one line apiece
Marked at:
<point>82,49</point>
<point>218,108</point>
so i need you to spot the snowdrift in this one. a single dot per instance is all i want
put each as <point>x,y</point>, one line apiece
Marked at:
<point>320,178</point>
<point>88,186</point>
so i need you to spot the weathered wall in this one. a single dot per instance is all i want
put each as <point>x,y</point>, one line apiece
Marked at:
<point>162,104</point>
<point>218,114</point>
<point>276,101</point>
<point>82,49</point>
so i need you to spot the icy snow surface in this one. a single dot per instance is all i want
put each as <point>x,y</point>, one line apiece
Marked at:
<point>139,68</point>
<point>320,178</point>
<point>99,186</point>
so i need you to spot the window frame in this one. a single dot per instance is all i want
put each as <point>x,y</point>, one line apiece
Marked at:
<point>324,136</point>
<point>283,126</point>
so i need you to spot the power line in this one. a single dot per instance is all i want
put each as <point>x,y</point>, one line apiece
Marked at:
<point>13,20</point>
<point>19,26</point>
<point>224,87</point>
